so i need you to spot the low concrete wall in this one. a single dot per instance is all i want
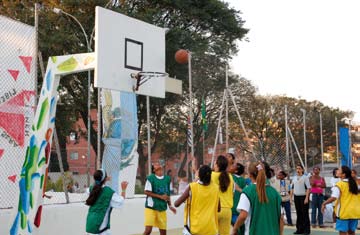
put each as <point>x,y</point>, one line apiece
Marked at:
<point>71,218</point>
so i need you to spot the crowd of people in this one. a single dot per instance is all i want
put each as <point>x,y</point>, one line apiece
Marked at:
<point>223,201</point>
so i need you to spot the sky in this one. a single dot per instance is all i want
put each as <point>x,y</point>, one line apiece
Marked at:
<point>308,49</point>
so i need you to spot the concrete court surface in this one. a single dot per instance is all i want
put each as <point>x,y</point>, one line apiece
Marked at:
<point>287,231</point>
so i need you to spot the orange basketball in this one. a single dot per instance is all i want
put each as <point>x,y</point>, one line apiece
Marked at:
<point>181,56</point>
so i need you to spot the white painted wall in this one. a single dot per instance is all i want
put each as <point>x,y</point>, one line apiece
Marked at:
<point>71,218</point>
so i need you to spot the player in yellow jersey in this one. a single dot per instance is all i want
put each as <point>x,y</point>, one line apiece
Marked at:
<point>225,182</point>
<point>202,204</point>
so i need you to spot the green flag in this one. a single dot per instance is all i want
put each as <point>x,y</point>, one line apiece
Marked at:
<point>203,116</point>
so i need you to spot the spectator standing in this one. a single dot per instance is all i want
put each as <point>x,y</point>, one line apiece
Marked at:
<point>301,191</point>
<point>317,188</point>
<point>283,187</point>
<point>334,179</point>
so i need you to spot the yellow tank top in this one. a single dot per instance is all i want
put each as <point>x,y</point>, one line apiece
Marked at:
<point>226,198</point>
<point>203,209</point>
<point>348,205</point>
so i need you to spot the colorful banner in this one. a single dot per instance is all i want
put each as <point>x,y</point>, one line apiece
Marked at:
<point>345,147</point>
<point>17,103</point>
<point>120,128</point>
<point>30,182</point>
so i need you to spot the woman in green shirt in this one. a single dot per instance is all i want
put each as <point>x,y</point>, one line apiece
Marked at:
<point>259,205</point>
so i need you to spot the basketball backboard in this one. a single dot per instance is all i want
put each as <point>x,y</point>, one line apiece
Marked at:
<point>124,46</point>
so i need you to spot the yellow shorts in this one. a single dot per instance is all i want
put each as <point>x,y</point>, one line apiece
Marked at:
<point>155,218</point>
<point>224,218</point>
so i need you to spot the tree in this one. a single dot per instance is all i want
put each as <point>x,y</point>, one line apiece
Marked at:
<point>209,30</point>
<point>265,119</point>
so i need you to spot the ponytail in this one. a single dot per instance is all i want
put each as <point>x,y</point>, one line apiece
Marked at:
<point>257,171</point>
<point>100,178</point>
<point>353,187</point>
<point>261,183</point>
<point>224,179</point>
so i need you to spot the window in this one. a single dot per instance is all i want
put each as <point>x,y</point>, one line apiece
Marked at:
<point>74,156</point>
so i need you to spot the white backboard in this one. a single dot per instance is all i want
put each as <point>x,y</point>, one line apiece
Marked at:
<point>124,45</point>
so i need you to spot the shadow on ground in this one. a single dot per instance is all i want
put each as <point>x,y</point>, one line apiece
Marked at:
<point>287,231</point>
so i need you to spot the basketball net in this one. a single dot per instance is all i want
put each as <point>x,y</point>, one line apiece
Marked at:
<point>142,77</point>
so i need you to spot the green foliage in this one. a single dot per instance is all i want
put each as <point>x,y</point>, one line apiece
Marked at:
<point>139,188</point>
<point>56,186</point>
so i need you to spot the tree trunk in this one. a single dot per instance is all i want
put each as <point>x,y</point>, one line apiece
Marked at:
<point>142,163</point>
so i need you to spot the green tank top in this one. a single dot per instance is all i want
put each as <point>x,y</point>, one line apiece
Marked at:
<point>161,187</point>
<point>240,181</point>
<point>265,217</point>
<point>97,211</point>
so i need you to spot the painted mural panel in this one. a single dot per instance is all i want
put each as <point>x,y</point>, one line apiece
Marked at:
<point>30,187</point>
<point>120,159</point>
<point>17,103</point>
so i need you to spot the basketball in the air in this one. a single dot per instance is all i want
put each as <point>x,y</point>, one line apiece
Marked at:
<point>181,56</point>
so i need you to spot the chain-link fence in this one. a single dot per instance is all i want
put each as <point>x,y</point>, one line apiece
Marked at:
<point>17,101</point>
<point>70,186</point>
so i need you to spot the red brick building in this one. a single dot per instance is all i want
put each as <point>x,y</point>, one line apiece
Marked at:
<point>77,152</point>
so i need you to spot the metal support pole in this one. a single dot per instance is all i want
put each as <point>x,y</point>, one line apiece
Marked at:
<point>89,132</point>
<point>337,142</point>
<point>191,108</point>
<point>218,130</point>
<point>148,130</point>
<point>296,148</point>
<point>287,138</point>
<point>59,11</point>
<point>226,111</point>
<point>58,153</point>
<point>242,124</point>
<point>99,128</point>
<point>322,143</point>
<point>305,151</point>
<point>350,149</point>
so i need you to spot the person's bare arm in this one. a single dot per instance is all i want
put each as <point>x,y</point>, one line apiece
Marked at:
<point>173,209</point>
<point>291,195</point>
<point>329,200</point>
<point>281,225</point>
<point>183,197</point>
<point>306,201</point>
<point>240,221</point>
<point>323,183</point>
<point>162,197</point>
<point>237,188</point>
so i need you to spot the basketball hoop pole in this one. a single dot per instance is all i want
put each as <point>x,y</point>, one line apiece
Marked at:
<point>191,113</point>
<point>148,134</point>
